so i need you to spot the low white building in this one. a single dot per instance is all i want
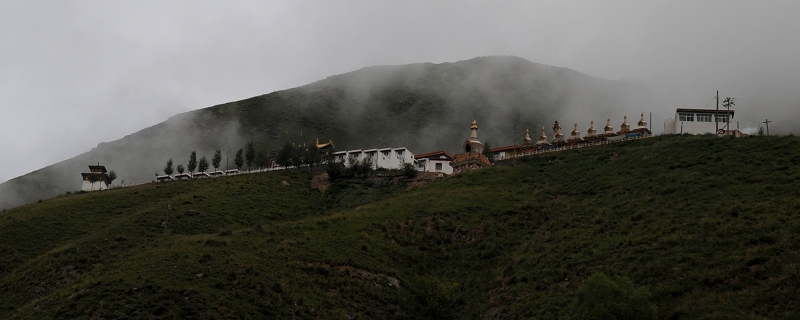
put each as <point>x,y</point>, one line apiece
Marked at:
<point>438,161</point>
<point>387,158</point>
<point>699,121</point>
<point>164,178</point>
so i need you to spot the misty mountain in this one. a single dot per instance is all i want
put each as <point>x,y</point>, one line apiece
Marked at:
<point>425,107</point>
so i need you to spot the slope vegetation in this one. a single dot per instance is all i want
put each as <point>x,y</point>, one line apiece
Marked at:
<point>419,106</point>
<point>709,226</point>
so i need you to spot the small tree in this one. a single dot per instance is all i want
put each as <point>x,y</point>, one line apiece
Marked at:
<point>111,177</point>
<point>284,158</point>
<point>261,160</point>
<point>603,298</point>
<point>202,166</point>
<point>217,159</point>
<point>297,157</point>
<point>168,168</point>
<point>487,151</point>
<point>312,156</point>
<point>92,179</point>
<point>192,163</point>
<point>409,171</point>
<point>365,167</point>
<point>250,154</point>
<point>180,169</point>
<point>239,159</point>
<point>335,169</point>
<point>352,163</point>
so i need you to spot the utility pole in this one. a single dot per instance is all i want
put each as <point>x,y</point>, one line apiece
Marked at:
<point>717,114</point>
<point>767,122</point>
<point>728,103</point>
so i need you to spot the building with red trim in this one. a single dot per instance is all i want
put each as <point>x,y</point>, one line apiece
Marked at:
<point>437,161</point>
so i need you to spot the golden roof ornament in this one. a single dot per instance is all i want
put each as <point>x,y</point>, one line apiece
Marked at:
<point>592,132</point>
<point>642,124</point>
<point>608,129</point>
<point>542,139</point>
<point>625,127</point>
<point>527,139</point>
<point>473,144</point>
<point>575,135</point>
<point>558,136</point>
<point>474,128</point>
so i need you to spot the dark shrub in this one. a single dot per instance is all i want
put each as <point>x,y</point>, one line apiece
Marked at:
<point>603,298</point>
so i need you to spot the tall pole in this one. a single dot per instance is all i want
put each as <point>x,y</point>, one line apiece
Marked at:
<point>728,103</point>
<point>767,122</point>
<point>716,115</point>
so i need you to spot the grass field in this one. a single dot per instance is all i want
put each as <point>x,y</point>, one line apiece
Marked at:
<point>708,225</point>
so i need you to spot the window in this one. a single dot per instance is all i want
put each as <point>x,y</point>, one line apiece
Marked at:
<point>686,116</point>
<point>703,117</point>
<point>438,167</point>
<point>722,118</point>
<point>385,153</point>
<point>421,164</point>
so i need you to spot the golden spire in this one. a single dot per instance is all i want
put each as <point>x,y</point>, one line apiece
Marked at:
<point>474,134</point>
<point>527,139</point>
<point>557,135</point>
<point>642,124</point>
<point>608,128</point>
<point>625,127</point>
<point>592,132</point>
<point>575,134</point>
<point>542,139</point>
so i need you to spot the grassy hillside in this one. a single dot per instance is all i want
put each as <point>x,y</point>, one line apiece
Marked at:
<point>709,226</point>
<point>424,107</point>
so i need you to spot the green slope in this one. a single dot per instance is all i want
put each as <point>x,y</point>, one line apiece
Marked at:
<point>710,226</point>
<point>425,107</point>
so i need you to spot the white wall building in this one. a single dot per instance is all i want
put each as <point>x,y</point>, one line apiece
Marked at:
<point>438,161</point>
<point>96,179</point>
<point>699,121</point>
<point>387,158</point>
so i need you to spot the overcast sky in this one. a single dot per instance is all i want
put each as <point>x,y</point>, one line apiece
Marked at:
<point>77,73</point>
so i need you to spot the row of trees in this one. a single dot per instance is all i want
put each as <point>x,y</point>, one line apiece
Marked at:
<point>94,178</point>
<point>288,156</point>
<point>291,156</point>
<point>194,164</point>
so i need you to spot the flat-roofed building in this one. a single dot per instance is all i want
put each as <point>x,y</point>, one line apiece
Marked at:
<point>387,158</point>
<point>699,121</point>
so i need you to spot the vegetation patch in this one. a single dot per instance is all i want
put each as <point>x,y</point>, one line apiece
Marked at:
<point>683,227</point>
